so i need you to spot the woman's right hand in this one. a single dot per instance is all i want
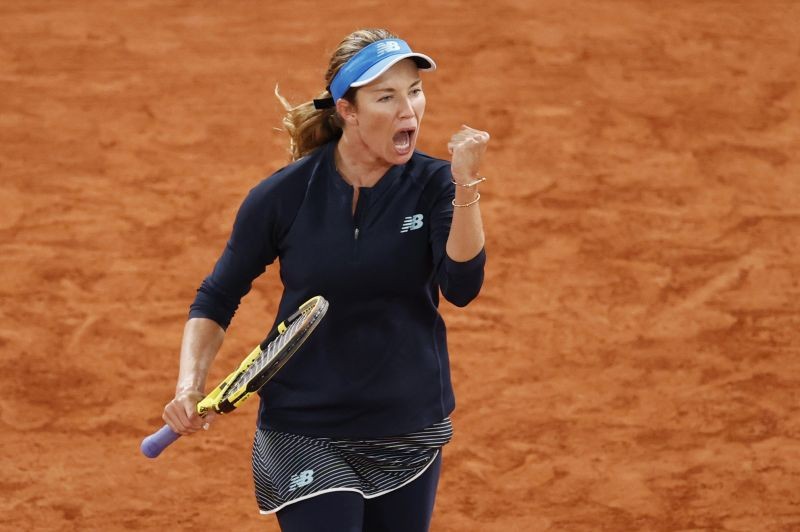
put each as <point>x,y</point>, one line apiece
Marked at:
<point>181,413</point>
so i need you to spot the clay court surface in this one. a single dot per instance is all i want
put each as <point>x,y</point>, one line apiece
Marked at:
<point>633,361</point>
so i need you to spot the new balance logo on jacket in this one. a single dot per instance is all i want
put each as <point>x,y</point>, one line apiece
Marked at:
<point>411,223</point>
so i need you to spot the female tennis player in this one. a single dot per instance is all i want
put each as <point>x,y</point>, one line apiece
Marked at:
<point>350,430</point>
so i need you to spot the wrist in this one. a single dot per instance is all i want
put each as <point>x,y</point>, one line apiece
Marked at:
<point>469,198</point>
<point>468,183</point>
<point>464,176</point>
<point>188,388</point>
<point>465,193</point>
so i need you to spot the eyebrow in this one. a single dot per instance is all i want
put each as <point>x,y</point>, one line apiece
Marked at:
<point>390,89</point>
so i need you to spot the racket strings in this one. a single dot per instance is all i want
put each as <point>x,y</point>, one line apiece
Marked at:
<point>273,349</point>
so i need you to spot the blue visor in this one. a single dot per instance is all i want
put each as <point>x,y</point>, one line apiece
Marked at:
<point>372,61</point>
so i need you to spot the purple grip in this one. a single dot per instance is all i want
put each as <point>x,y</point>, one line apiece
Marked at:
<point>158,441</point>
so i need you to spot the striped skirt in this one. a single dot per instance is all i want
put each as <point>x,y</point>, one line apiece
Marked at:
<point>288,468</point>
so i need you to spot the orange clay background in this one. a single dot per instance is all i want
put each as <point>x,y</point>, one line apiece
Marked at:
<point>632,362</point>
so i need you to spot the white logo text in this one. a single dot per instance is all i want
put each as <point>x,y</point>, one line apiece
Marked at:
<point>303,478</point>
<point>388,46</point>
<point>410,223</point>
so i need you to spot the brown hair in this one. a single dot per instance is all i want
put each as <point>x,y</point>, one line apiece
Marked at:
<point>308,127</point>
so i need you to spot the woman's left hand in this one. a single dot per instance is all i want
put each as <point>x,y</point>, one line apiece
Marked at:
<point>467,147</point>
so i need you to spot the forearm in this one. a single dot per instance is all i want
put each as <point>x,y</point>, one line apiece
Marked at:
<point>202,339</point>
<point>467,147</point>
<point>466,237</point>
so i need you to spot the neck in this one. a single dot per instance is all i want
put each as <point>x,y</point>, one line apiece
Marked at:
<point>356,164</point>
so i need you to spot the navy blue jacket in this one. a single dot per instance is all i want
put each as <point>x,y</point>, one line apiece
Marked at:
<point>377,365</point>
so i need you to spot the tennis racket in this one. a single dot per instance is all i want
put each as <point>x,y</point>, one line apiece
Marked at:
<point>254,371</point>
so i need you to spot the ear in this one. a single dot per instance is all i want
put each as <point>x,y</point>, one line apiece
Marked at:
<point>347,111</point>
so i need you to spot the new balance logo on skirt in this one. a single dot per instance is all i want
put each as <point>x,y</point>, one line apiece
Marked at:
<point>410,223</point>
<point>303,478</point>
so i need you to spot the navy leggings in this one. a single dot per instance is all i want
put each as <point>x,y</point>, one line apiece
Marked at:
<point>408,509</point>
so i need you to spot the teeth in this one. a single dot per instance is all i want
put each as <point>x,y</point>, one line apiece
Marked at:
<point>402,140</point>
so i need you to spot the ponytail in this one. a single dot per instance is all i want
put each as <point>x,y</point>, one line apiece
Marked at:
<point>309,127</point>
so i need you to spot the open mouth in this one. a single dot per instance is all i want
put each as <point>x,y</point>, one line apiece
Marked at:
<point>403,140</point>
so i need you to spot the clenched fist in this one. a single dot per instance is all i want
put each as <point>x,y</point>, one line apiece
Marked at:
<point>181,413</point>
<point>467,147</point>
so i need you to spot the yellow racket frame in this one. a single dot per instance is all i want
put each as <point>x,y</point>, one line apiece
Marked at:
<point>213,399</point>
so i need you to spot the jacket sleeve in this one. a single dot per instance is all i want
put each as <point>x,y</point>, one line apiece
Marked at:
<point>460,282</point>
<point>250,249</point>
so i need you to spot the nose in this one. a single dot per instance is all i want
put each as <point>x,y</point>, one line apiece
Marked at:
<point>406,109</point>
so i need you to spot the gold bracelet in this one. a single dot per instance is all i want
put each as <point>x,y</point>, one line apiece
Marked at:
<point>473,202</point>
<point>478,181</point>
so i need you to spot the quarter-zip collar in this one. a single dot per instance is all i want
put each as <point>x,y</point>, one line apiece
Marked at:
<point>376,191</point>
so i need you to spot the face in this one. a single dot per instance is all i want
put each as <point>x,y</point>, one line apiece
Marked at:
<point>387,113</point>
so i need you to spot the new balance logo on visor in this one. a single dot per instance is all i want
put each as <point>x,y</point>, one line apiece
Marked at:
<point>410,223</point>
<point>303,478</point>
<point>388,46</point>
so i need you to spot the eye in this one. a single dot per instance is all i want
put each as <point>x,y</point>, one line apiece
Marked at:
<point>385,98</point>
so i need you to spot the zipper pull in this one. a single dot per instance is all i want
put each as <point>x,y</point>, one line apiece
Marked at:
<point>356,234</point>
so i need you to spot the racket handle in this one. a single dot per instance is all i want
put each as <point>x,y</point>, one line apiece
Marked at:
<point>158,441</point>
